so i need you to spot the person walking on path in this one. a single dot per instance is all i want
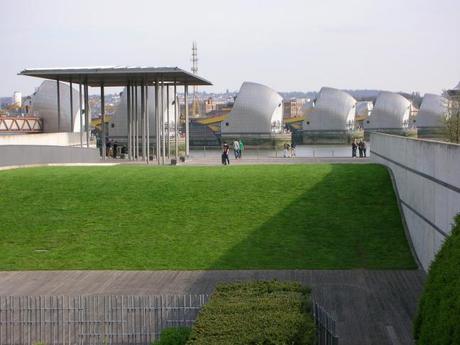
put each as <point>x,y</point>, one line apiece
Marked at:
<point>225,159</point>
<point>353,148</point>
<point>241,148</point>
<point>236,148</point>
<point>364,148</point>
<point>360,149</point>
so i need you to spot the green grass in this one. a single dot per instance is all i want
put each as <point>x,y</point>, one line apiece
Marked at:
<point>238,217</point>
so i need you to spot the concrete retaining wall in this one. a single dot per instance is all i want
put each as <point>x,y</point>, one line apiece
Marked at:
<point>53,139</point>
<point>17,155</point>
<point>427,175</point>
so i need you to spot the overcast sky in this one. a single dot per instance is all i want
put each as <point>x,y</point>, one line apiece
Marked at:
<point>397,45</point>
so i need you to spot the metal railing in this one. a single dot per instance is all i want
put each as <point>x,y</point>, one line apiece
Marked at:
<point>325,326</point>
<point>87,320</point>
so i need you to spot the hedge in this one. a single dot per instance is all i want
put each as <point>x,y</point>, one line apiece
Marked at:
<point>438,316</point>
<point>258,312</point>
<point>173,336</point>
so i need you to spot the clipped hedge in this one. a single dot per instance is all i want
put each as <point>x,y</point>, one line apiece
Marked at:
<point>258,312</point>
<point>438,316</point>
<point>173,336</point>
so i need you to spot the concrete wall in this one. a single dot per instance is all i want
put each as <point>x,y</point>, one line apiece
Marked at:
<point>51,139</point>
<point>17,155</point>
<point>427,175</point>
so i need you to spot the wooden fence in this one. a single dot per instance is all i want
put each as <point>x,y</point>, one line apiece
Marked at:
<point>88,320</point>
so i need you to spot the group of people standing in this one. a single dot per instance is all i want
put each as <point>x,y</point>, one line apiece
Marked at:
<point>360,146</point>
<point>238,148</point>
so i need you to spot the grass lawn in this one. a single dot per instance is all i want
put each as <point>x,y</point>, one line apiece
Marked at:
<point>238,217</point>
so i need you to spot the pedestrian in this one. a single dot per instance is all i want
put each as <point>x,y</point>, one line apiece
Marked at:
<point>225,159</point>
<point>353,148</point>
<point>285,150</point>
<point>293,150</point>
<point>360,148</point>
<point>241,147</point>
<point>115,148</point>
<point>364,149</point>
<point>236,148</point>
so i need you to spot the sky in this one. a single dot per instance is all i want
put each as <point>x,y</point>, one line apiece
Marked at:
<point>290,45</point>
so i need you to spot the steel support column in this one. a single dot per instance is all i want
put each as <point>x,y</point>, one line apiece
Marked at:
<point>58,105</point>
<point>136,125</point>
<point>128,118</point>
<point>176,121</point>
<point>81,113</point>
<point>87,124</point>
<point>104,148</point>
<point>157,122</point>
<point>168,122</point>
<point>71,107</point>
<point>163,137</point>
<point>187,129</point>
<point>147,121</point>
<point>142,122</point>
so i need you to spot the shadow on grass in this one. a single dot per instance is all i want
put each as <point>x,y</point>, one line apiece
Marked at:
<point>348,220</point>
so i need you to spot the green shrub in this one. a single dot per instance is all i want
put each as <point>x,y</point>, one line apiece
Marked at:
<point>438,316</point>
<point>173,336</point>
<point>256,313</point>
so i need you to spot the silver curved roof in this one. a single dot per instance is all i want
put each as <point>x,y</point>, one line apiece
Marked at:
<point>391,110</point>
<point>44,105</point>
<point>334,110</point>
<point>431,111</point>
<point>119,124</point>
<point>257,109</point>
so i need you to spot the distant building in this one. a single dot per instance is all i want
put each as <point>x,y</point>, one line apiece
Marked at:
<point>17,99</point>
<point>331,119</point>
<point>293,107</point>
<point>391,114</point>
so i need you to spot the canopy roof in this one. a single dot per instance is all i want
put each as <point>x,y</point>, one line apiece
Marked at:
<point>117,75</point>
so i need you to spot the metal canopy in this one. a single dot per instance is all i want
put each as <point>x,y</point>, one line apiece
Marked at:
<point>117,75</point>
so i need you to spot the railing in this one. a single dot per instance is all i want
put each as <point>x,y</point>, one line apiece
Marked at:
<point>325,327</point>
<point>87,320</point>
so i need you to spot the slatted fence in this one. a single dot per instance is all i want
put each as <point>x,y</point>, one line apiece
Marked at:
<point>325,327</point>
<point>88,320</point>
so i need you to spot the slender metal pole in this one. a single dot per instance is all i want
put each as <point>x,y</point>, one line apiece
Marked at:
<point>143,121</point>
<point>187,134</point>
<point>81,113</point>
<point>136,126</point>
<point>176,120</point>
<point>163,147</point>
<point>128,118</point>
<point>157,122</point>
<point>58,105</point>
<point>147,121</point>
<point>168,121</point>
<point>87,124</point>
<point>103,122</point>
<point>133,108</point>
<point>71,107</point>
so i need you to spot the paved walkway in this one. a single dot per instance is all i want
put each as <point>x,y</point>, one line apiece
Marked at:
<point>371,307</point>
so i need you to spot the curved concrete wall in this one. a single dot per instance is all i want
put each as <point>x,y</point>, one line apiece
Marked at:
<point>24,155</point>
<point>428,182</point>
<point>43,139</point>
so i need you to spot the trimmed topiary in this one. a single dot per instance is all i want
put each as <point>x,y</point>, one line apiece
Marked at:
<point>256,313</point>
<point>438,316</point>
